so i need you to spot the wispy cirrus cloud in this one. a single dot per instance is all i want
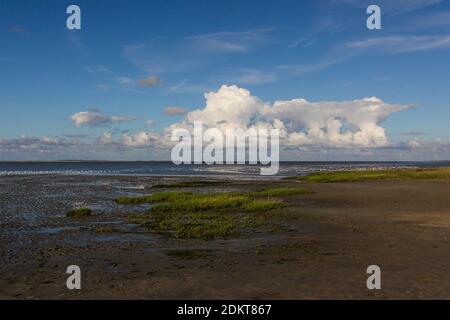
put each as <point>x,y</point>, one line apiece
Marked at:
<point>162,55</point>
<point>302,69</point>
<point>401,43</point>
<point>185,86</point>
<point>123,81</point>
<point>248,76</point>
<point>435,21</point>
<point>228,42</point>
<point>391,7</point>
<point>395,40</point>
<point>395,44</point>
<point>322,26</point>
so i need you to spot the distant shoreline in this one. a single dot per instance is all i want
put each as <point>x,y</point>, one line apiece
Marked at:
<point>167,168</point>
<point>168,161</point>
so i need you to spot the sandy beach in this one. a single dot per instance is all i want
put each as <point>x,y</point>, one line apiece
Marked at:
<point>317,247</point>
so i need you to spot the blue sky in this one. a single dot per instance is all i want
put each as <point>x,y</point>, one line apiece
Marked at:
<point>278,50</point>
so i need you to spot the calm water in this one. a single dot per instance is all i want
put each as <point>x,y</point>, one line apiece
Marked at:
<point>162,168</point>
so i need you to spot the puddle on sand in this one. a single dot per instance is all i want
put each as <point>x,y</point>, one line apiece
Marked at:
<point>55,230</point>
<point>106,222</point>
<point>129,187</point>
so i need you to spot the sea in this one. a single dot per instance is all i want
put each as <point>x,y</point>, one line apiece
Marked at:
<point>167,168</point>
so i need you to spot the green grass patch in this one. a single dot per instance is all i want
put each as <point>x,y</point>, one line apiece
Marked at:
<point>187,201</point>
<point>206,229</point>
<point>184,225</point>
<point>210,215</point>
<point>207,225</point>
<point>261,205</point>
<point>79,213</point>
<point>203,202</point>
<point>365,175</point>
<point>156,197</point>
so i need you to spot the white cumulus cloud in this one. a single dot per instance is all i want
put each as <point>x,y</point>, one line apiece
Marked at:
<point>106,138</point>
<point>94,118</point>
<point>355,123</point>
<point>141,139</point>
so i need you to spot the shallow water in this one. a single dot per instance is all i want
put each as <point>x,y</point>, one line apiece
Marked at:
<point>31,201</point>
<point>165,168</point>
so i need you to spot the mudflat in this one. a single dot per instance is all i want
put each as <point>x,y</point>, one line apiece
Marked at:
<point>318,246</point>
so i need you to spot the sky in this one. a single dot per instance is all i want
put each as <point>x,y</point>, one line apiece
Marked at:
<point>136,70</point>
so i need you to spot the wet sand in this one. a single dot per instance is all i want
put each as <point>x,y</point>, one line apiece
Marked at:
<point>327,241</point>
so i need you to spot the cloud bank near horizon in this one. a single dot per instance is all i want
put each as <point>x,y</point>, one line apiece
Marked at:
<point>350,128</point>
